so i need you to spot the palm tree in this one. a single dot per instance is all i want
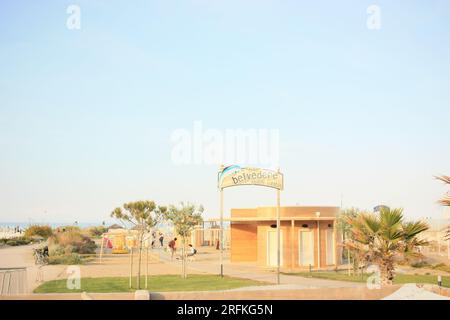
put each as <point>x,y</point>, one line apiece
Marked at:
<point>382,238</point>
<point>446,199</point>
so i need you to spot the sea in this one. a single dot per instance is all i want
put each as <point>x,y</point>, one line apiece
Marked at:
<point>24,225</point>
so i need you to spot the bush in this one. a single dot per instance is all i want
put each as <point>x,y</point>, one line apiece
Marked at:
<point>70,259</point>
<point>38,231</point>
<point>442,267</point>
<point>68,229</point>
<point>73,242</point>
<point>17,242</point>
<point>96,231</point>
<point>420,264</point>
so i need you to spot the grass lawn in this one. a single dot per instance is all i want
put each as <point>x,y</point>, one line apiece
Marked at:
<point>157,283</point>
<point>399,277</point>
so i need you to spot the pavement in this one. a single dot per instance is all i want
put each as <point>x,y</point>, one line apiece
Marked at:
<point>207,261</point>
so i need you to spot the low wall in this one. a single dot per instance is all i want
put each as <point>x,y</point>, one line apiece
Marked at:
<point>356,293</point>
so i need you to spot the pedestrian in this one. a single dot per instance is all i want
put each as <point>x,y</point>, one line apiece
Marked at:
<point>173,247</point>
<point>153,239</point>
<point>161,239</point>
<point>192,251</point>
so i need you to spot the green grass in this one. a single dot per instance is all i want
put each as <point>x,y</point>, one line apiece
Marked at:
<point>399,277</point>
<point>157,283</point>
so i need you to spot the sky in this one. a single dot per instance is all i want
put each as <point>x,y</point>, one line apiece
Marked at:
<point>86,115</point>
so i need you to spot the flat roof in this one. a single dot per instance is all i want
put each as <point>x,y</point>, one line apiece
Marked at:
<point>245,219</point>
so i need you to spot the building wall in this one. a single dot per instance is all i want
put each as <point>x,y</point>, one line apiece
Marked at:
<point>243,242</point>
<point>290,242</point>
<point>249,239</point>
<point>270,212</point>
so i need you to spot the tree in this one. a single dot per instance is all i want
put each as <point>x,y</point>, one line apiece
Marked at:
<point>445,201</point>
<point>184,219</point>
<point>344,228</point>
<point>382,237</point>
<point>143,215</point>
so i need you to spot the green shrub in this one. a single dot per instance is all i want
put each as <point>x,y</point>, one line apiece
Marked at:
<point>442,267</point>
<point>17,242</point>
<point>420,264</point>
<point>38,231</point>
<point>72,241</point>
<point>70,259</point>
<point>96,231</point>
<point>68,229</point>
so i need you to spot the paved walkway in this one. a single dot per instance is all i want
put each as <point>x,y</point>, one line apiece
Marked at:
<point>22,257</point>
<point>209,263</point>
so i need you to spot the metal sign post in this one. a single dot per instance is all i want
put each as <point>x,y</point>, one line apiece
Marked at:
<point>233,176</point>
<point>221,232</point>
<point>278,237</point>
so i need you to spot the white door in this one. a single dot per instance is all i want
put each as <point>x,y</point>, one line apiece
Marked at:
<point>330,247</point>
<point>306,248</point>
<point>272,248</point>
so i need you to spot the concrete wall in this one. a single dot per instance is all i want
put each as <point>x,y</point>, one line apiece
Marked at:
<point>356,293</point>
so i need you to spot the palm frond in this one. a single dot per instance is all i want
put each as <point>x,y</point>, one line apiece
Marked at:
<point>371,222</point>
<point>443,178</point>
<point>412,229</point>
<point>445,201</point>
<point>391,217</point>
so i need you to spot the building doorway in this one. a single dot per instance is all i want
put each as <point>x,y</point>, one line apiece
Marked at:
<point>330,246</point>
<point>306,248</point>
<point>272,248</point>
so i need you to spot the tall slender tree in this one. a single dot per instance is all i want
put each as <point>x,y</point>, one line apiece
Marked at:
<point>184,218</point>
<point>143,215</point>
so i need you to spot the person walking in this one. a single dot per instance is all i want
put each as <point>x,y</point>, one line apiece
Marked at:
<point>161,239</point>
<point>173,247</point>
<point>153,239</point>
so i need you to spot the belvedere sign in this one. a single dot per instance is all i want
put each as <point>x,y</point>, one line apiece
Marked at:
<point>236,176</point>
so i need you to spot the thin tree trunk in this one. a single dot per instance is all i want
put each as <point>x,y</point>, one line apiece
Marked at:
<point>184,257</point>
<point>140,259</point>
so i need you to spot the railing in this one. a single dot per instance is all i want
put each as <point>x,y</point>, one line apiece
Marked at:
<point>13,281</point>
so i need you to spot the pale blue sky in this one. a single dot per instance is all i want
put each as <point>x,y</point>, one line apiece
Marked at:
<point>86,115</point>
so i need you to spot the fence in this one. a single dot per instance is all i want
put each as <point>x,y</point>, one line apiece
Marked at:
<point>13,281</point>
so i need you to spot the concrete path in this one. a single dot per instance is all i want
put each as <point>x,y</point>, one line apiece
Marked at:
<point>210,264</point>
<point>207,261</point>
